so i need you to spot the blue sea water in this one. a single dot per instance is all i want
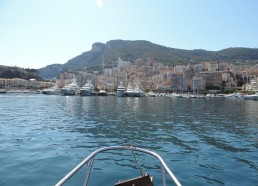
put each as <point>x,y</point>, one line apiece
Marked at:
<point>203,141</point>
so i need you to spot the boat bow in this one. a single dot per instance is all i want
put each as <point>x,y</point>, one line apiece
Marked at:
<point>90,158</point>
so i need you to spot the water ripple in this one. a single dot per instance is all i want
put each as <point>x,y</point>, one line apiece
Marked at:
<point>204,141</point>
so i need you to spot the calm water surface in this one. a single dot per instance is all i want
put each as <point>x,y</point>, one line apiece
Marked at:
<point>203,141</point>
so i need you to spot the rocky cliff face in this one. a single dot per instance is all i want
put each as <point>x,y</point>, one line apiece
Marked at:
<point>97,48</point>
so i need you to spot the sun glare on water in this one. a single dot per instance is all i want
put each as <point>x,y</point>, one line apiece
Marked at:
<point>100,3</point>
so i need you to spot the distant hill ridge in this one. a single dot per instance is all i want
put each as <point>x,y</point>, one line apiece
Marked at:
<point>132,50</point>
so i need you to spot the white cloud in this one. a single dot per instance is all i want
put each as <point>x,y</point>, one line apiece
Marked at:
<point>100,3</point>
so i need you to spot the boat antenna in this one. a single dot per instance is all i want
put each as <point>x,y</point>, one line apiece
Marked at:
<point>139,167</point>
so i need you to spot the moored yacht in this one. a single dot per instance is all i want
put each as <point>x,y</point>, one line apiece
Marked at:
<point>251,97</point>
<point>120,90</point>
<point>233,96</point>
<point>2,91</point>
<point>176,95</point>
<point>129,91</point>
<point>151,94</point>
<point>102,93</point>
<point>138,92</point>
<point>87,89</point>
<point>71,89</point>
<point>55,90</point>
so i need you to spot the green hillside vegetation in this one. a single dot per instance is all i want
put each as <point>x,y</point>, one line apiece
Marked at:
<point>132,50</point>
<point>16,72</point>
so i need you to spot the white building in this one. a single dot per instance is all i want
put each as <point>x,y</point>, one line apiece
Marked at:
<point>252,86</point>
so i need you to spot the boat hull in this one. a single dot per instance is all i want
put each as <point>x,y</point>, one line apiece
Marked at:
<point>251,97</point>
<point>86,93</point>
<point>52,92</point>
<point>129,94</point>
<point>102,94</point>
<point>2,91</point>
<point>120,94</point>
<point>138,94</point>
<point>66,92</point>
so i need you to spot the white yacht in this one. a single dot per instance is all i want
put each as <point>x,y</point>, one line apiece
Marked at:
<point>138,92</point>
<point>121,90</point>
<point>2,91</point>
<point>71,89</point>
<point>151,94</point>
<point>102,93</point>
<point>87,89</point>
<point>129,91</point>
<point>233,96</point>
<point>55,90</point>
<point>251,97</point>
<point>176,95</point>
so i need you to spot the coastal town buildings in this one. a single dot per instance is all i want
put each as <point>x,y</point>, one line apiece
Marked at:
<point>149,74</point>
<point>252,86</point>
<point>20,84</point>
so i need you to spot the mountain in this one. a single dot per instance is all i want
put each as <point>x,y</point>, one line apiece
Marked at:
<point>17,72</point>
<point>132,50</point>
<point>51,71</point>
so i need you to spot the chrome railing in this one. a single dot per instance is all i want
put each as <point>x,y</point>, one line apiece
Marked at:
<point>90,158</point>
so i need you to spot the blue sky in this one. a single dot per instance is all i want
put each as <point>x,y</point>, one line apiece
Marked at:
<point>36,33</point>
